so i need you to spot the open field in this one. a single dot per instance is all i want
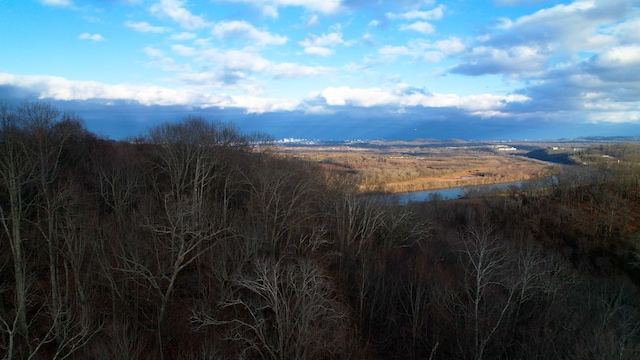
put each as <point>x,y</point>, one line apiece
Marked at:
<point>401,167</point>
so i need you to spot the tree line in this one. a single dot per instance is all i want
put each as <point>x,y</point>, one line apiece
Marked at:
<point>198,242</point>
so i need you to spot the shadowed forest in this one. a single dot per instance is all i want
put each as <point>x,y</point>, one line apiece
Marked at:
<point>196,241</point>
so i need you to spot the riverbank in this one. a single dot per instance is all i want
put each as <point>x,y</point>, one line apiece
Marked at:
<point>463,171</point>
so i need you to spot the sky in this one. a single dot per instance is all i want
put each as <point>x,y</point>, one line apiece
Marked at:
<point>331,69</point>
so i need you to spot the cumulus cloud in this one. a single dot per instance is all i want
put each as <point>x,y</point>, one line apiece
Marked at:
<point>627,32</point>
<point>578,26</point>
<point>404,95</point>
<point>578,58</point>
<point>618,64</point>
<point>231,59</point>
<point>175,10</point>
<point>620,56</point>
<point>234,67</point>
<point>57,88</point>
<point>537,42</point>
<point>91,37</point>
<point>322,45</point>
<point>450,46</point>
<point>244,30</point>
<point>517,60</point>
<point>419,18</point>
<point>145,27</point>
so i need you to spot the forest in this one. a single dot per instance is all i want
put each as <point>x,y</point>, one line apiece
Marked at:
<point>195,241</point>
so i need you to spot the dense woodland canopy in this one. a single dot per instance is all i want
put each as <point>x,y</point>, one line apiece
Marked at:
<point>198,242</point>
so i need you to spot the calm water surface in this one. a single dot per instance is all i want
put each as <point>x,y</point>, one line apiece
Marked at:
<point>451,193</point>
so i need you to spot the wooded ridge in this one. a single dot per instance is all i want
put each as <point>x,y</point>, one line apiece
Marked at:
<point>198,242</point>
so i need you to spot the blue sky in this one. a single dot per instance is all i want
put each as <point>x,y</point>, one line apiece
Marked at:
<point>332,68</point>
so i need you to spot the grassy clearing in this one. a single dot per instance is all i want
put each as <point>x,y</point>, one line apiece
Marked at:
<point>401,169</point>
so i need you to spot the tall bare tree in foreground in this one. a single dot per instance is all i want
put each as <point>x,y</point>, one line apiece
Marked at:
<point>283,310</point>
<point>32,142</point>
<point>17,174</point>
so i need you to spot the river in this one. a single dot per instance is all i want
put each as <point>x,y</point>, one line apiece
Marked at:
<point>451,193</point>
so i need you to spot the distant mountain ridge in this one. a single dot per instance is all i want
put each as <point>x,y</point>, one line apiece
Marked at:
<point>610,138</point>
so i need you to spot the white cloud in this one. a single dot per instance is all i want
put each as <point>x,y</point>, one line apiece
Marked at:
<point>578,26</point>
<point>332,39</point>
<point>57,2</point>
<point>153,52</point>
<point>554,37</point>
<point>231,59</point>
<point>184,50</point>
<point>174,10</point>
<point>391,52</point>
<point>621,56</point>
<point>318,110</point>
<point>627,116</point>
<point>450,46</point>
<point>243,60</point>
<point>246,31</point>
<point>433,14</point>
<point>145,27</point>
<point>318,50</point>
<point>400,97</point>
<point>322,6</point>
<point>321,45</point>
<point>91,37</point>
<point>258,105</point>
<point>421,49</point>
<point>57,88</point>
<point>514,60</point>
<point>420,26</point>
<point>312,21</point>
<point>617,65</point>
<point>292,70</point>
<point>627,32</point>
<point>160,60</point>
<point>270,11</point>
<point>183,36</point>
<point>518,2</point>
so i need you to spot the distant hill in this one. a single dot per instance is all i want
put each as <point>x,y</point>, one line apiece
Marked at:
<point>551,156</point>
<point>616,139</point>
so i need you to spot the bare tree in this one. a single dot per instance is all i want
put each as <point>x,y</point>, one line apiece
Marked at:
<point>180,237</point>
<point>484,259</point>
<point>283,311</point>
<point>17,174</point>
<point>415,302</point>
<point>282,216</point>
